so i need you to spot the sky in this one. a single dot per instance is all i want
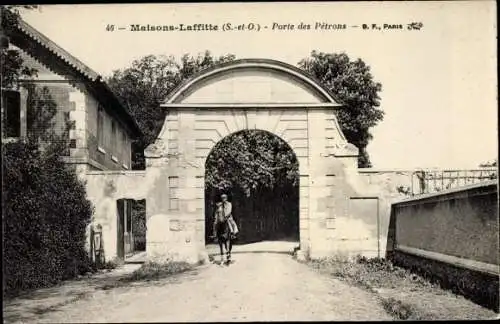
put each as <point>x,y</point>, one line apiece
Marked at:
<point>439,84</point>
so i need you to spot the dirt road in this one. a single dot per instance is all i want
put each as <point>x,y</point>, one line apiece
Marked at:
<point>257,287</point>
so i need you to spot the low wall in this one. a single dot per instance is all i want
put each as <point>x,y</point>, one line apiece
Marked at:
<point>104,188</point>
<point>451,235</point>
<point>374,190</point>
<point>377,189</point>
<point>167,236</point>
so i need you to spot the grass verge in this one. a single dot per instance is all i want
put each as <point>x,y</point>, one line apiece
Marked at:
<point>154,271</point>
<point>403,294</point>
<point>150,271</point>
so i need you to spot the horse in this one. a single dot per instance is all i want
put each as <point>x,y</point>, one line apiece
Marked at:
<point>223,236</point>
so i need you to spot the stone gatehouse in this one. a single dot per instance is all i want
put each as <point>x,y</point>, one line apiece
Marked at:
<point>248,94</point>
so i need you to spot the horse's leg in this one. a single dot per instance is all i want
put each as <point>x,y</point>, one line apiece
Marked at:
<point>225,247</point>
<point>228,251</point>
<point>230,248</point>
<point>221,251</point>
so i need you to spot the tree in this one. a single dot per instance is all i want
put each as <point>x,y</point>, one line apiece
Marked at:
<point>488,164</point>
<point>145,85</point>
<point>261,173</point>
<point>12,67</point>
<point>353,84</point>
<point>251,161</point>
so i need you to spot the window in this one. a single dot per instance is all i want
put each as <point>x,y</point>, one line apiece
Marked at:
<point>115,146</point>
<point>11,103</point>
<point>100,128</point>
<point>123,147</point>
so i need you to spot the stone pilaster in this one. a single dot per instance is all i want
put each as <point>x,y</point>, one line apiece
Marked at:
<point>174,214</point>
<point>318,193</point>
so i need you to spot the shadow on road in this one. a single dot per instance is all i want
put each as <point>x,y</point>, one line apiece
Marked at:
<point>280,247</point>
<point>29,306</point>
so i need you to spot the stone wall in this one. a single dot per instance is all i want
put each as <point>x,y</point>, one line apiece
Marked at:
<point>462,223</point>
<point>452,237</point>
<point>104,189</point>
<point>368,195</point>
<point>388,186</point>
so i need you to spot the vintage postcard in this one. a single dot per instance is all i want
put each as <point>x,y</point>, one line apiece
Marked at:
<point>234,162</point>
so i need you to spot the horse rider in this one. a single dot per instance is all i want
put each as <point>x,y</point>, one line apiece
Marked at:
<point>223,211</point>
<point>227,209</point>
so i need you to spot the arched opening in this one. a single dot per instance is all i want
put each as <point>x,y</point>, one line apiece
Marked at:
<point>260,174</point>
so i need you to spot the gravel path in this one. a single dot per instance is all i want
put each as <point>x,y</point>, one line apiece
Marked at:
<point>256,287</point>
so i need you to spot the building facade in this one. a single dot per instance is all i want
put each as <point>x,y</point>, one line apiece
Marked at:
<point>101,130</point>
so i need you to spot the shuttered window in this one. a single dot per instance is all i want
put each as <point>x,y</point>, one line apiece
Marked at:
<point>123,147</point>
<point>100,127</point>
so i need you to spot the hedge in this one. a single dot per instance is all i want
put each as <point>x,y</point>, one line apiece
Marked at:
<point>45,214</point>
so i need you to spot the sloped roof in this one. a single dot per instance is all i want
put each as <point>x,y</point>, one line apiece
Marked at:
<point>62,62</point>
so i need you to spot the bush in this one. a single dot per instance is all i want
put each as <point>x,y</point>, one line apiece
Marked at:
<point>45,214</point>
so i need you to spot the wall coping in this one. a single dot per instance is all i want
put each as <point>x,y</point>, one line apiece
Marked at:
<point>302,105</point>
<point>448,192</point>
<point>382,170</point>
<point>120,172</point>
<point>450,259</point>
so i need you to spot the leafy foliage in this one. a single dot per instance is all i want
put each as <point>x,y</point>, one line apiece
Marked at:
<point>147,83</point>
<point>251,160</point>
<point>489,164</point>
<point>353,84</point>
<point>261,173</point>
<point>139,224</point>
<point>12,68</point>
<point>42,244</point>
<point>11,63</point>
<point>40,117</point>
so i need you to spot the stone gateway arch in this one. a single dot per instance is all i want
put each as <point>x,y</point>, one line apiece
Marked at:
<point>241,95</point>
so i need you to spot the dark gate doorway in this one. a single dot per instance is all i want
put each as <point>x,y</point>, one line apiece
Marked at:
<point>260,174</point>
<point>120,228</point>
<point>131,228</point>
